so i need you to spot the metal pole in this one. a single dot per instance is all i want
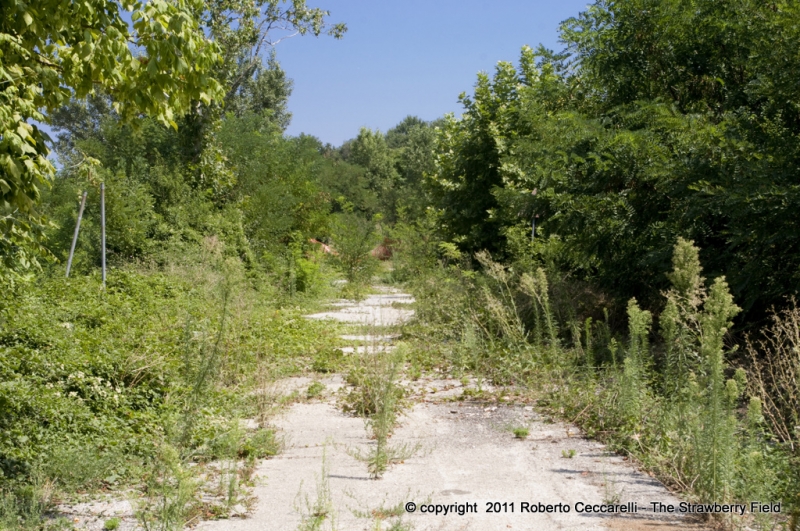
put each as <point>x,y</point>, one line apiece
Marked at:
<point>75,236</point>
<point>103,227</point>
<point>533,219</point>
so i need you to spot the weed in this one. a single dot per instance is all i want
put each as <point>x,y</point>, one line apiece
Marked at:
<point>633,390</point>
<point>321,510</point>
<point>259,444</point>
<point>267,398</point>
<point>328,360</point>
<point>169,497</point>
<point>775,358</point>
<point>394,525</point>
<point>111,524</point>
<point>315,389</point>
<point>612,494</point>
<point>521,433</point>
<point>377,396</point>
<point>775,380</point>
<point>373,378</point>
<point>386,513</point>
<point>26,507</point>
<point>568,454</point>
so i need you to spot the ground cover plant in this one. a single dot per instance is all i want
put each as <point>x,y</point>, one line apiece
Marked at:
<point>124,387</point>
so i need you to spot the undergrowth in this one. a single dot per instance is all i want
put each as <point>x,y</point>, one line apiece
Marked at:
<point>664,392</point>
<point>141,386</point>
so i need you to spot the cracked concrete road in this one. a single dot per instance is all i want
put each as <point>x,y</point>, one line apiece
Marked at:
<point>466,454</point>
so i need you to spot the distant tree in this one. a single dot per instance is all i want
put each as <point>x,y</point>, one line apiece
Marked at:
<point>268,90</point>
<point>397,136</point>
<point>413,141</point>
<point>370,151</point>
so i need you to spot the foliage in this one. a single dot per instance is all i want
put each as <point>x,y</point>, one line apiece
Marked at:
<point>369,150</point>
<point>98,383</point>
<point>521,432</point>
<point>271,201</point>
<point>49,56</point>
<point>394,166</point>
<point>377,396</point>
<point>354,238</point>
<point>321,510</point>
<point>244,31</point>
<point>660,119</point>
<point>775,357</point>
<point>774,360</point>
<point>678,406</point>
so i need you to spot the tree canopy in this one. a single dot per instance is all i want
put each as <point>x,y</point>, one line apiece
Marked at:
<point>160,58</point>
<point>662,118</point>
<point>52,51</point>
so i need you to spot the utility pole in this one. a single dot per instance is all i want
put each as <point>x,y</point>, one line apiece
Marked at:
<point>103,228</point>
<point>533,218</point>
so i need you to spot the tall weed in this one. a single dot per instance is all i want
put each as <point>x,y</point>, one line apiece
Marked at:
<point>377,396</point>
<point>774,359</point>
<point>677,404</point>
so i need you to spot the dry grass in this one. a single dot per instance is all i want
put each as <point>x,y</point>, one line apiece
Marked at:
<point>775,374</point>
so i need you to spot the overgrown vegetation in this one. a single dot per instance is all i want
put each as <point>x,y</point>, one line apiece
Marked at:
<point>128,386</point>
<point>671,399</point>
<point>600,178</point>
<point>659,119</point>
<point>555,237</point>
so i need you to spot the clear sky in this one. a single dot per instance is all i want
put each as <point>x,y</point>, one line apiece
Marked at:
<point>402,57</point>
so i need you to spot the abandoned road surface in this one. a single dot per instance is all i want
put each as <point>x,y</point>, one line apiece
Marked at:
<point>466,459</point>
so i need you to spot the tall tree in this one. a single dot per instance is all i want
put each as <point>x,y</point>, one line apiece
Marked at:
<point>246,31</point>
<point>51,51</point>
<point>370,151</point>
<point>662,118</point>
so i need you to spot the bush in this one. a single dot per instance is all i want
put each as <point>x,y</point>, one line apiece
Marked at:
<point>353,239</point>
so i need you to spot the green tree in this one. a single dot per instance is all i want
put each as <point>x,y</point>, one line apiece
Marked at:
<point>245,31</point>
<point>468,161</point>
<point>412,141</point>
<point>370,151</point>
<point>662,119</point>
<point>397,136</point>
<point>52,51</point>
<point>268,90</point>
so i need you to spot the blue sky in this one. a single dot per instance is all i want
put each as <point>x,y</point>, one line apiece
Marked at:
<point>406,57</point>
